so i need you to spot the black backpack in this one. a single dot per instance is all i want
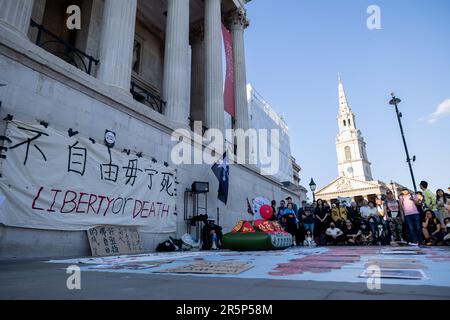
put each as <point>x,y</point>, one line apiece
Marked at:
<point>169,245</point>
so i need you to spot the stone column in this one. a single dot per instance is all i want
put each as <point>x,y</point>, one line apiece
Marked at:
<point>116,44</point>
<point>38,16</point>
<point>238,23</point>
<point>214,104</point>
<point>176,62</point>
<point>197,74</point>
<point>16,14</point>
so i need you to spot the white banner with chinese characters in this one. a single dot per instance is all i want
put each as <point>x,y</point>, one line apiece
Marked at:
<point>52,181</point>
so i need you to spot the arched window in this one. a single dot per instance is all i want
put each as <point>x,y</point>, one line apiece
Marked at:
<point>349,122</point>
<point>345,123</point>
<point>348,153</point>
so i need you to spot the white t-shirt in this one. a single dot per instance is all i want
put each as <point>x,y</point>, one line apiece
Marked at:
<point>367,211</point>
<point>334,232</point>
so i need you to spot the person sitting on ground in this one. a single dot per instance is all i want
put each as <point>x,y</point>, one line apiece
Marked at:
<point>381,236</point>
<point>309,240</point>
<point>211,236</point>
<point>334,235</point>
<point>351,233</point>
<point>447,231</point>
<point>366,234</point>
<point>432,231</point>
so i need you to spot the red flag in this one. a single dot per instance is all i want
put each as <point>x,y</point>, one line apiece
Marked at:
<point>229,78</point>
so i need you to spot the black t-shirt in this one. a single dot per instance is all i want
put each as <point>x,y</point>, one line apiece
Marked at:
<point>351,231</point>
<point>366,231</point>
<point>321,212</point>
<point>308,218</point>
<point>353,213</point>
<point>432,225</point>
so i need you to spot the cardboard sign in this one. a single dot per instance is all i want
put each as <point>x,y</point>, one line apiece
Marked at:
<point>114,240</point>
<point>211,268</point>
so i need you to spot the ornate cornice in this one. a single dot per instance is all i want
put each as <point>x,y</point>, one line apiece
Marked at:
<point>237,19</point>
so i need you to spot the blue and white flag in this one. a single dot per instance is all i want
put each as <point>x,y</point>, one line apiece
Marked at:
<point>221,170</point>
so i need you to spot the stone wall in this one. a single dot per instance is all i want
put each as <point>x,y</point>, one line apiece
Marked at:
<point>42,87</point>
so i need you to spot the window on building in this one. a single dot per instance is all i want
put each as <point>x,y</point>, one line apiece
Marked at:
<point>51,33</point>
<point>348,153</point>
<point>345,123</point>
<point>349,122</point>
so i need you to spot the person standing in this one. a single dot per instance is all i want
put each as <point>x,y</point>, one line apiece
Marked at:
<point>364,210</point>
<point>280,210</point>
<point>322,220</point>
<point>420,204</point>
<point>442,205</point>
<point>380,204</point>
<point>300,227</point>
<point>308,219</point>
<point>353,214</point>
<point>339,215</point>
<point>411,217</point>
<point>392,212</point>
<point>274,211</point>
<point>294,206</point>
<point>429,197</point>
<point>289,220</point>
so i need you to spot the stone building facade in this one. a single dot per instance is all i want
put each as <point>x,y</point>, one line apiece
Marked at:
<point>139,68</point>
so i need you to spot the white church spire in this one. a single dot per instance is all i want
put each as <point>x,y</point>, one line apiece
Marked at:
<point>350,145</point>
<point>343,102</point>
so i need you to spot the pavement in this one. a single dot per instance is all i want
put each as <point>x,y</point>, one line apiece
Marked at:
<point>294,274</point>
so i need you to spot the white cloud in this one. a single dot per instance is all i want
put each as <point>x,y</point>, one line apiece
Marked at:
<point>442,111</point>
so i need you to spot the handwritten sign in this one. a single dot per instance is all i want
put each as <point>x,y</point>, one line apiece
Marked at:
<point>59,182</point>
<point>211,268</point>
<point>113,241</point>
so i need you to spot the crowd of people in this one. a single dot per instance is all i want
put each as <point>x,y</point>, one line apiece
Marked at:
<point>420,218</point>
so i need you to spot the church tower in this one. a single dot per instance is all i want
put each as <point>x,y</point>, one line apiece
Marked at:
<point>350,145</point>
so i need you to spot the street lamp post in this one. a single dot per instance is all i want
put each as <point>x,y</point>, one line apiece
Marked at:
<point>394,102</point>
<point>313,186</point>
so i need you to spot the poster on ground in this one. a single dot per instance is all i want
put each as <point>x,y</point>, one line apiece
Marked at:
<point>52,181</point>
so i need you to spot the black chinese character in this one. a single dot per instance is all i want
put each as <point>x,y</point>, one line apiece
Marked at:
<point>132,170</point>
<point>29,141</point>
<point>151,173</point>
<point>166,183</point>
<point>77,159</point>
<point>109,171</point>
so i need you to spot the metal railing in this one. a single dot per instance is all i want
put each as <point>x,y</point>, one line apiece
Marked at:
<point>68,52</point>
<point>147,97</point>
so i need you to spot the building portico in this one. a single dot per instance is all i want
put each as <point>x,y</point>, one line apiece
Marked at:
<point>140,69</point>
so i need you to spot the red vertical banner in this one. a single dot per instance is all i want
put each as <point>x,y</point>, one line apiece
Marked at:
<point>229,78</point>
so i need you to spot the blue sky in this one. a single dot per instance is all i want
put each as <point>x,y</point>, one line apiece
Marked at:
<point>295,48</point>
